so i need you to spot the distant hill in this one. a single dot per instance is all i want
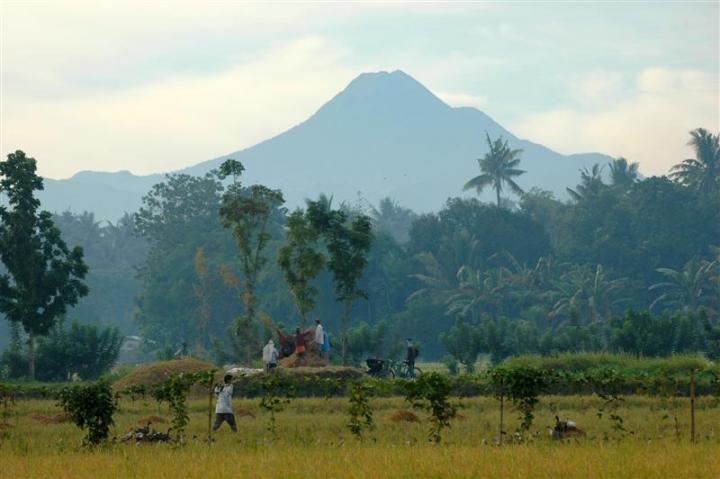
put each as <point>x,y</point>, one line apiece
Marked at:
<point>385,134</point>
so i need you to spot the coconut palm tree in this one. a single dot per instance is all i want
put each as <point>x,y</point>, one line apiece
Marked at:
<point>592,292</point>
<point>622,173</point>
<point>591,183</point>
<point>479,292</point>
<point>702,172</point>
<point>435,280</point>
<point>498,168</point>
<point>687,288</point>
<point>393,219</point>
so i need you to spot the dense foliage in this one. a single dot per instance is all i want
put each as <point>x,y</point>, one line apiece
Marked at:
<point>625,264</point>
<point>42,277</point>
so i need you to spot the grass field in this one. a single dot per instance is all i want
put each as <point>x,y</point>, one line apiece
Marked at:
<point>314,442</point>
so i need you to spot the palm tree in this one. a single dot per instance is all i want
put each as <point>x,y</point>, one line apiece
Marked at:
<point>689,287</point>
<point>498,167</point>
<point>703,171</point>
<point>591,183</point>
<point>436,281</point>
<point>593,292</point>
<point>622,173</point>
<point>393,219</point>
<point>478,292</point>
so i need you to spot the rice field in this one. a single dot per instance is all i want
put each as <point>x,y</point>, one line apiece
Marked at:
<point>313,441</point>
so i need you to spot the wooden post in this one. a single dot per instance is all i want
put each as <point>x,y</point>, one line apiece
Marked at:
<point>210,395</point>
<point>692,405</point>
<point>502,411</point>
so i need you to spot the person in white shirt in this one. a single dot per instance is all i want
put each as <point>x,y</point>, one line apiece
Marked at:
<point>270,355</point>
<point>319,335</point>
<point>223,407</point>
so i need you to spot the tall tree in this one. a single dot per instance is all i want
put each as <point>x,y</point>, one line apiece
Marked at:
<point>591,183</point>
<point>688,287</point>
<point>393,219</point>
<point>177,217</point>
<point>701,173</point>
<point>348,243</point>
<point>498,167</point>
<point>43,276</point>
<point>301,262</point>
<point>622,173</point>
<point>248,213</point>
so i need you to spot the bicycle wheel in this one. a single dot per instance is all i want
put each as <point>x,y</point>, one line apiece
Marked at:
<point>417,371</point>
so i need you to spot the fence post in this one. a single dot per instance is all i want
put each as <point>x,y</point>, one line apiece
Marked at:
<point>692,405</point>
<point>210,395</point>
<point>502,410</point>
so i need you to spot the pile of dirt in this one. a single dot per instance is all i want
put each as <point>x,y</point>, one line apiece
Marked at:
<point>151,420</point>
<point>243,412</point>
<point>155,373</point>
<point>54,419</point>
<point>403,415</point>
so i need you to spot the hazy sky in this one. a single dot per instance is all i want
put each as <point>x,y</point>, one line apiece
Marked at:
<point>156,86</point>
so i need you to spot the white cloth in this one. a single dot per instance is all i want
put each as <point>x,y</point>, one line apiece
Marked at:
<point>224,399</point>
<point>319,335</point>
<point>243,372</point>
<point>270,354</point>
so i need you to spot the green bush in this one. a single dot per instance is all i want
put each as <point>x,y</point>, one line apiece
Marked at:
<point>92,407</point>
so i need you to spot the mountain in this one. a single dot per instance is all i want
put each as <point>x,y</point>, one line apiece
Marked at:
<point>385,134</point>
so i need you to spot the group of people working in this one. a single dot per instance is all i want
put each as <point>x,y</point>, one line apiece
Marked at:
<point>224,392</point>
<point>320,341</point>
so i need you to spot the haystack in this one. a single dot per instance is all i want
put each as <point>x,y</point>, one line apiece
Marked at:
<point>154,373</point>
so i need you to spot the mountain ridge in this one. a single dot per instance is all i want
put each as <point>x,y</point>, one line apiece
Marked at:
<point>384,134</point>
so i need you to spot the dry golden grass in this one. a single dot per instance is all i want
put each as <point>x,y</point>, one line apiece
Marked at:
<point>314,441</point>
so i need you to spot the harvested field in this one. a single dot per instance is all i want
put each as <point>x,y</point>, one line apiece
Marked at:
<point>312,435</point>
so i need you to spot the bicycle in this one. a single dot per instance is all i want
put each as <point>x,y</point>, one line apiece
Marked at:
<point>387,368</point>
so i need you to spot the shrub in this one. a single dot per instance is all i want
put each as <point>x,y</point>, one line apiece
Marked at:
<point>431,392</point>
<point>92,407</point>
<point>174,391</point>
<point>361,415</point>
<point>277,392</point>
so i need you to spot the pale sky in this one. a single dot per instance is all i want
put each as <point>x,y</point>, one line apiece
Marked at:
<point>156,86</point>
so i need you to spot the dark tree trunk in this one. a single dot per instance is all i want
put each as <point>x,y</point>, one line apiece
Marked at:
<point>31,355</point>
<point>343,327</point>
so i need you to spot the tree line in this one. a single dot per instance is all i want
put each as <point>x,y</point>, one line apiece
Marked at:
<point>217,264</point>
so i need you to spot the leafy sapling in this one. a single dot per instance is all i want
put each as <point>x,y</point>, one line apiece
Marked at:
<point>431,393</point>
<point>92,407</point>
<point>361,414</point>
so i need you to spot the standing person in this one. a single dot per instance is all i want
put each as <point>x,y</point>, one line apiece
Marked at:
<point>319,335</point>
<point>326,346</point>
<point>300,344</point>
<point>223,407</point>
<point>411,355</point>
<point>270,355</point>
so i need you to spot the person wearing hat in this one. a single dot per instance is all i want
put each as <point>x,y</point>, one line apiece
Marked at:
<point>270,356</point>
